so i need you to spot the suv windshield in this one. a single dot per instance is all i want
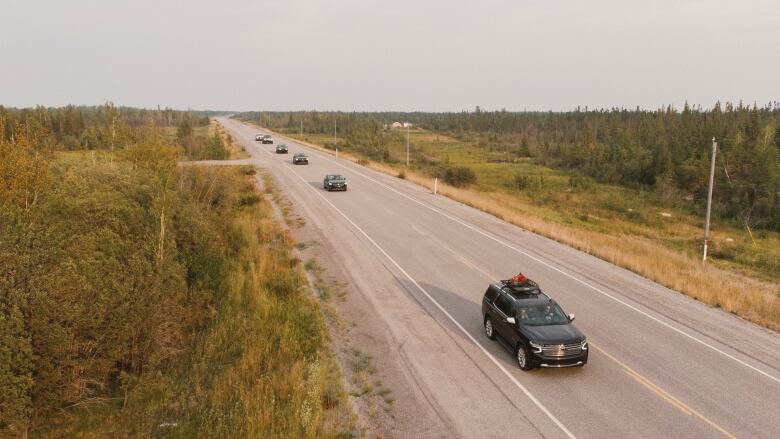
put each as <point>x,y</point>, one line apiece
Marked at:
<point>335,177</point>
<point>545,314</point>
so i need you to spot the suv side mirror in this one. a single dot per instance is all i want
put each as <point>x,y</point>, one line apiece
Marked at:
<point>511,320</point>
<point>571,317</point>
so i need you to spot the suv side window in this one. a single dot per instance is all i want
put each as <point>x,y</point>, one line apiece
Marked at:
<point>504,305</point>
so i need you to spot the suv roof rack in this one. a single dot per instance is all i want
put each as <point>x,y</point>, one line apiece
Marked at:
<point>521,284</point>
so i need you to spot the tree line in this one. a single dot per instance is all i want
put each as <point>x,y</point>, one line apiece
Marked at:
<point>108,127</point>
<point>666,150</point>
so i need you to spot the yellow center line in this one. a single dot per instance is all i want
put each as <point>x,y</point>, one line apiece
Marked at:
<point>465,261</point>
<point>653,388</point>
<point>662,393</point>
<point>666,396</point>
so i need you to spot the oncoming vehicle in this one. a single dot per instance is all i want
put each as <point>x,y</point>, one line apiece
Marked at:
<point>259,137</point>
<point>300,159</point>
<point>267,139</point>
<point>281,148</point>
<point>334,182</point>
<point>532,325</point>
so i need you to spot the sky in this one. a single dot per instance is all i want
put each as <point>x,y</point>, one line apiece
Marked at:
<point>368,55</point>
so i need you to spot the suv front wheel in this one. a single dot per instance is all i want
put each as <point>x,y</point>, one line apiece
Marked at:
<point>523,358</point>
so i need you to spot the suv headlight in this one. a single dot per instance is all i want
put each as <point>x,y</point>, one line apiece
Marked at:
<point>536,348</point>
<point>584,345</point>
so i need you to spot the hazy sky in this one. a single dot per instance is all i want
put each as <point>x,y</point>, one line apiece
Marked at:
<point>396,55</point>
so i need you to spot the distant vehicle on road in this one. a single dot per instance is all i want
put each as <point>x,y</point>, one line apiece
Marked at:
<point>300,159</point>
<point>281,148</point>
<point>532,325</point>
<point>268,139</point>
<point>259,137</point>
<point>334,182</point>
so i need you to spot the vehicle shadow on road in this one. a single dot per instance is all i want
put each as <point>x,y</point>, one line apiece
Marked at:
<point>468,314</point>
<point>316,185</point>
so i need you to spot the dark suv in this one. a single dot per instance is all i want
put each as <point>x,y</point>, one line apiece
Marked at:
<point>334,182</point>
<point>300,158</point>
<point>281,149</point>
<point>532,325</point>
<point>267,139</point>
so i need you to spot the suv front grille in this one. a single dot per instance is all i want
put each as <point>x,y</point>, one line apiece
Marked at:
<point>561,350</point>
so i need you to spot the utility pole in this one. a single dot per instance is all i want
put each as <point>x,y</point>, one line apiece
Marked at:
<point>301,127</point>
<point>407,144</point>
<point>709,200</point>
<point>334,137</point>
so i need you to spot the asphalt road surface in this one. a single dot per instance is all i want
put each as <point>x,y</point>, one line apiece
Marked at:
<point>661,364</point>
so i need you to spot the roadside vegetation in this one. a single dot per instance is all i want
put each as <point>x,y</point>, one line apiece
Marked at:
<point>142,298</point>
<point>534,170</point>
<point>205,141</point>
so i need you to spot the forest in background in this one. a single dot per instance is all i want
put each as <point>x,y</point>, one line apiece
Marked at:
<point>109,127</point>
<point>666,150</point>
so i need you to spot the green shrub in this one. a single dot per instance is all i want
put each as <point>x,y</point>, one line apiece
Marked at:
<point>521,182</point>
<point>459,176</point>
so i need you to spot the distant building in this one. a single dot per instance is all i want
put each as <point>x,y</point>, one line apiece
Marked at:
<point>407,124</point>
<point>396,125</point>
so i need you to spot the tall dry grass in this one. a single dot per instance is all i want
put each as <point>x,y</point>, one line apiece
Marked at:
<point>749,298</point>
<point>264,368</point>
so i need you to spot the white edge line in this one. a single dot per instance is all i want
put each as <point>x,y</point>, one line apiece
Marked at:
<point>570,276</point>
<point>444,311</point>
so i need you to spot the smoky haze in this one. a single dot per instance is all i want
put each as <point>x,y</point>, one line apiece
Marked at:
<point>364,55</point>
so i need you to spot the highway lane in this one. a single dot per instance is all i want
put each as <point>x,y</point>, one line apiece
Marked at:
<point>661,365</point>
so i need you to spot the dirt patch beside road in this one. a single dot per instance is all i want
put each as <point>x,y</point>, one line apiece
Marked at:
<point>385,397</point>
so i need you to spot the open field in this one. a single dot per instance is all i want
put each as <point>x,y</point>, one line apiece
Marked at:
<point>630,228</point>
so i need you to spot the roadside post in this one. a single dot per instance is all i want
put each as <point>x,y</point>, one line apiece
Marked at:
<point>709,200</point>
<point>407,145</point>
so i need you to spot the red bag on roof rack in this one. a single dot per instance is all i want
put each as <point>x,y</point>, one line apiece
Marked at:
<point>521,283</point>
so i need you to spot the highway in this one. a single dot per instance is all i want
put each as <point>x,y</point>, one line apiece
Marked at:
<point>661,365</point>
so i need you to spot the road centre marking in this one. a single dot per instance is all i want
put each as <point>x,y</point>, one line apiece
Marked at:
<point>662,393</point>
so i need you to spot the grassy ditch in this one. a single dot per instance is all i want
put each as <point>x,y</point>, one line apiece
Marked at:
<point>627,227</point>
